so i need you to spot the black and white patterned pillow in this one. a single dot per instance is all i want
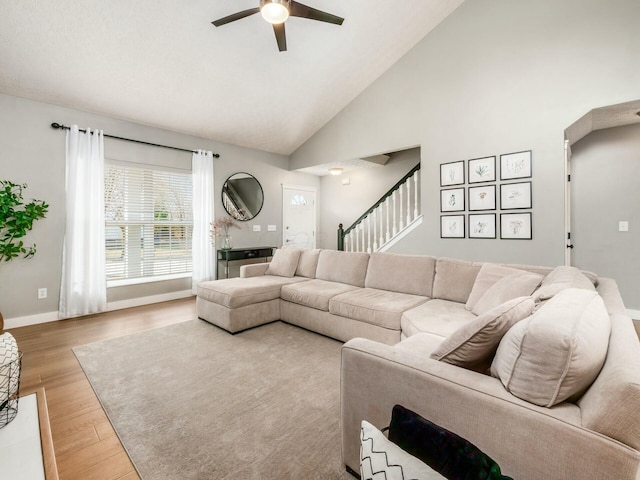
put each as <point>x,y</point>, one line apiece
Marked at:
<point>381,459</point>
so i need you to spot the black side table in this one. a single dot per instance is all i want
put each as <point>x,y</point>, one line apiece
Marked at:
<point>242,254</point>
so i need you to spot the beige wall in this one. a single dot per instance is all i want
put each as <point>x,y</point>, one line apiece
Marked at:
<point>497,76</point>
<point>32,152</point>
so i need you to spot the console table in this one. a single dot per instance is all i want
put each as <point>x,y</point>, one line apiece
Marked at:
<point>233,254</point>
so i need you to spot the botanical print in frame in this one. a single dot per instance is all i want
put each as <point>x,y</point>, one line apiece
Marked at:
<point>515,195</point>
<point>482,225</point>
<point>452,200</point>
<point>482,170</point>
<point>515,226</point>
<point>482,198</point>
<point>452,226</point>
<point>452,173</point>
<point>515,165</point>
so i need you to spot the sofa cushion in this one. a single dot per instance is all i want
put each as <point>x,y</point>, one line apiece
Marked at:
<point>420,344</point>
<point>559,279</point>
<point>438,317</point>
<point>284,262</point>
<point>611,404</point>
<point>411,274</point>
<point>342,267</point>
<point>314,293</point>
<point>238,292</point>
<point>308,263</point>
<point>473,345</point>
<point>519,284</point>
<point>454,279</point>
<point>488,275</point>
<point>378,307</point>
<point>382,459</point>
<point>557,352</point>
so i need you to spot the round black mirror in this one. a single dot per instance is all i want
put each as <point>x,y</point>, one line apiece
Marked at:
<point>242,196</point>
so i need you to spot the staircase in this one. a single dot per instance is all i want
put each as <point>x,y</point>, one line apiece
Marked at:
<point>388,220</point>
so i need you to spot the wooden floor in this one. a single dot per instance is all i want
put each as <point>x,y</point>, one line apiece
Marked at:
<point>85,444</point>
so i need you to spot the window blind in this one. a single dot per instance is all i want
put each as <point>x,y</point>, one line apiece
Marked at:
<point>148,222</point>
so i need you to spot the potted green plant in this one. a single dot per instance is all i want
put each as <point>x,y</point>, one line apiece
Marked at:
<point>16,219</point>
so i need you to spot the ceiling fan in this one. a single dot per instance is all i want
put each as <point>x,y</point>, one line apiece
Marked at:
<point>276,12</point>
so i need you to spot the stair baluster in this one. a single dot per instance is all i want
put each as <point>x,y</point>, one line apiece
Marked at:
<point>385,219</point>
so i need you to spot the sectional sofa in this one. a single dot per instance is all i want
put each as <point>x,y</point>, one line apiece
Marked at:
<point>538,367</point>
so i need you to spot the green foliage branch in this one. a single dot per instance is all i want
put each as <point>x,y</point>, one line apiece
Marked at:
<point>16,219</point>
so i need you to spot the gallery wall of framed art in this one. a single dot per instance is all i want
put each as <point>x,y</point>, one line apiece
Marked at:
<point>475,204</point>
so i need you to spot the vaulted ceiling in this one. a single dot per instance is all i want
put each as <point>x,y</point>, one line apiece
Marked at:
<point>163,63</point>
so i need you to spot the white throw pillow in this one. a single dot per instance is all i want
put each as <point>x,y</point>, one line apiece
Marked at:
<point>381,459</point>
<point>474,344</point>
<point>559,279</point>
<point>556,353</point>
<point>488,275</point>
<point>284,262</point>
<point>518,284</point>
<point>308,263</point>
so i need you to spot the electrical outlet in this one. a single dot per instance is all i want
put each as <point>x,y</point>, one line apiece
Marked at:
<point>271,228</point>
<point>257,228</point>
<point>42,293</point>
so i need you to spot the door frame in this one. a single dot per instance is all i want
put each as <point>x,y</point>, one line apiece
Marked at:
<point>307,188</point>
<point>568,244</point>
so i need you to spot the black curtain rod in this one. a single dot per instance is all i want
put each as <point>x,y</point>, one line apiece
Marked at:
<point>65,127</point>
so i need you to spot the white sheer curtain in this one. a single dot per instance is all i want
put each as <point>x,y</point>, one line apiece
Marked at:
<point>204,264</point>
<point>83,289</point>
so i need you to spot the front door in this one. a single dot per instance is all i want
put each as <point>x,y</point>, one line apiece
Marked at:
<point>299,216</point>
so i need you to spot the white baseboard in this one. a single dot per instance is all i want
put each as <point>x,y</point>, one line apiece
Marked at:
<point>119,305</point>
<point>137,302</point>
<point>635,314</point>
<point>30,320</point>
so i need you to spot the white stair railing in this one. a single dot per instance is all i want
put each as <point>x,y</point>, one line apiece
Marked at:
<point>386,219</point>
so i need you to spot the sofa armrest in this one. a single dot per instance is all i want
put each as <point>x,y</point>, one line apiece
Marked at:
<point>253,270</point>
<point>375,377</point>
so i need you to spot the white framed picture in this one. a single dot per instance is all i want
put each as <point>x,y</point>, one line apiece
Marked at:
<point>452,200</point>
<point>482,225</point>
<point>515,195</point>
<point>482,170</point>
<point>516,226</point>
<point>452,173</point>
<point>515,165</point>
<point>482,198</point>
<point>452,226</point>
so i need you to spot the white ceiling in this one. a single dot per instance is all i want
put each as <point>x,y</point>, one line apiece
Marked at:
<point>162,63</point>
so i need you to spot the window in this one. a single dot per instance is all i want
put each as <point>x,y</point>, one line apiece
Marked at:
<point>298,200</point>
<point>148,223</point>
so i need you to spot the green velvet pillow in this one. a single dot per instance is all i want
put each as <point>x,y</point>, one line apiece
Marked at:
<point>447,453</point>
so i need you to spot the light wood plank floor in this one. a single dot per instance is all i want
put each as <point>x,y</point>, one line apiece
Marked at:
<point>85,444</point>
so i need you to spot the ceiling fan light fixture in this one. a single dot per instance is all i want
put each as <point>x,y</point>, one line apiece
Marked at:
<point>274,11</point>
<point>335,171</point>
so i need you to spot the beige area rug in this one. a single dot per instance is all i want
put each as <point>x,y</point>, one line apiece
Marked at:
<point>190,401</point>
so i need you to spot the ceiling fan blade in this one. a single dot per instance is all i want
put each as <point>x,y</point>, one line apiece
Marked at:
<point>281,37</point>
<point>299,10</point>
<point>235,16</point>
